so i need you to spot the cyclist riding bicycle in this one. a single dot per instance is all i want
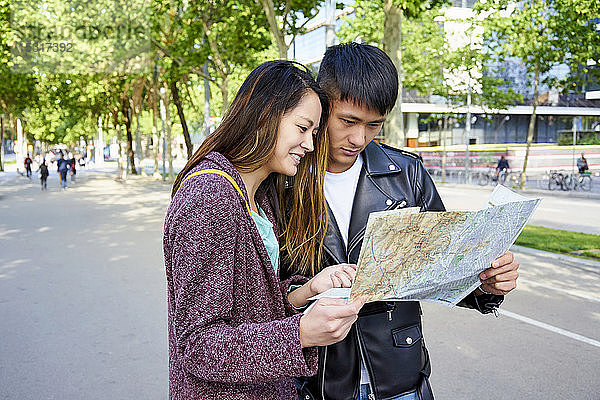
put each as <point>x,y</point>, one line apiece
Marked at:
<point>501,167</point>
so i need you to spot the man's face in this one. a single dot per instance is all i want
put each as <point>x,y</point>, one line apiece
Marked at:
<point>351,127</point>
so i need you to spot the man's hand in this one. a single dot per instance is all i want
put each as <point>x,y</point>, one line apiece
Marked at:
<point>502,277</point>
<point>328,321</point>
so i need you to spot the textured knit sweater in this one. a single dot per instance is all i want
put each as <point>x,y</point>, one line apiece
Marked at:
<point>232,332</point>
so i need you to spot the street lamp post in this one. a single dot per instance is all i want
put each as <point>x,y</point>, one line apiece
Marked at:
<point>468,132</point>
<point>206,102</point>
<point>329,24</point>
<point>99,147</point>
<point>163,116</point>
<point>574,142</point>
<point>20,145</point>
<point>1,142</point>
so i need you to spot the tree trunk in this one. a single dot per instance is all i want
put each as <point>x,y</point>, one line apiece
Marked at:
<point>224,94</point>
<point>138,138</point>
<point>1,142</point>
<point>120,155</point>
<point>126,109</point>
<point>206,104</point>
<point>531,129</point>
<point>443,139</point>
<point>269,8</point>
<point>392,45</point>
<point>155,140</point>
<point>222,68</point>
<point>184,127</point>
<point>169,138</point>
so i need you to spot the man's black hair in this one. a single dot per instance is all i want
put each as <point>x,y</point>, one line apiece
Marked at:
<point>359,73</point>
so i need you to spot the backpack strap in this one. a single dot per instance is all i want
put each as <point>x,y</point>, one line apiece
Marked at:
<point>224,175</point>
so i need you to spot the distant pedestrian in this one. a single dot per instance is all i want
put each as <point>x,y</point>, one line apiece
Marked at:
<point>73,164</point>
<point>28,161</point>
<point>44,175</point>
<point>582,164</point>
<point>63,167</point>
<point>49,158</point>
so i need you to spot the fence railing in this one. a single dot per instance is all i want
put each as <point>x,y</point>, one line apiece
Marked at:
<point>549,180</point>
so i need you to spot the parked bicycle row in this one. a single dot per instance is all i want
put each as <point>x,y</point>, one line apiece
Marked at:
<point>490,176</point>
<point>569,181</point>
<point>551,180</point>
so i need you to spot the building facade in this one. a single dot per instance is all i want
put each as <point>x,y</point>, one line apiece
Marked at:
<point>429,122</point>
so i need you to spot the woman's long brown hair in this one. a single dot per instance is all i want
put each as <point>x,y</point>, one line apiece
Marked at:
<point>247,137</point>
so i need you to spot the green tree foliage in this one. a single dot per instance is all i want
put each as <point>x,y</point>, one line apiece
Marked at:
<point>381,23</point>
<point>16,89</point>
<point>288,18</point>
<point>429,60</point>
<point>540,35</point>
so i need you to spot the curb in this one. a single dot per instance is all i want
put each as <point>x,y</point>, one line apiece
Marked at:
<point>579,195</point>
<point>562,257</point>
<point>525,192</point>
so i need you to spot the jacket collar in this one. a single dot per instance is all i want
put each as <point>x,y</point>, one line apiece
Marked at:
<point>377,161</point>
<point>367,198</point>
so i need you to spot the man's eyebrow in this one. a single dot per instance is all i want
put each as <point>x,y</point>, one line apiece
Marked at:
<point>355,118</point>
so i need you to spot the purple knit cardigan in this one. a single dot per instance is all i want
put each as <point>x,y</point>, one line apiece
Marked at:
<point>232,332</point>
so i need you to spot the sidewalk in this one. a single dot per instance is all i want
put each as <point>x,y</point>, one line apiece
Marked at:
<point>527,192</point>
<point>561,257</point>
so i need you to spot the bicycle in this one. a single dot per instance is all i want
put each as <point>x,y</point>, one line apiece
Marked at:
<point>504,176</point>
<point>579,181</point>
<point>556,180</point>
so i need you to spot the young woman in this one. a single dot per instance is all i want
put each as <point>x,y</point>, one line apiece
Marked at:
<point>233,331</point>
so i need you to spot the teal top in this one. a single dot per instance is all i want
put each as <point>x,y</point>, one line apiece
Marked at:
<point>265,229</point>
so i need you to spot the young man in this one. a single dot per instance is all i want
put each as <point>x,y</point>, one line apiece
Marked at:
<point>383,356</point>
<point>62,167</point>
<point>44,175</point>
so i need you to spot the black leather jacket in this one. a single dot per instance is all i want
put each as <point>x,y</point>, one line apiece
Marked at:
<point>388,335</point>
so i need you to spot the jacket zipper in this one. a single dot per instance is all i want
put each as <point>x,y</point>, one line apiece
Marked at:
<point>357,239</point>
<point>361,233</point>
<point>362,358</point>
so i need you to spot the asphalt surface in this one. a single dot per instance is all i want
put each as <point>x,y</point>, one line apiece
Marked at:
<point>556,210</point>
<point>82,290</point>
<point>83,303</point>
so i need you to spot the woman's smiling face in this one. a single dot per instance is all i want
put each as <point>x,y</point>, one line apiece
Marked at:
<point>295,135</point>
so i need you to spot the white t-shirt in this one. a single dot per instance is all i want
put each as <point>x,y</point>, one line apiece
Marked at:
<point>339,193</point>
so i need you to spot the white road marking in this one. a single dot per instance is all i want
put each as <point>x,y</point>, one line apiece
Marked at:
<point>557,210</point>
<point>550,328</point>
<point>569,292</point>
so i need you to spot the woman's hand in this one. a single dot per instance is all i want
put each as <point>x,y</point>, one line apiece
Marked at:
<point>335,276</point>
<point>328,321</point>
<point>340,275</point>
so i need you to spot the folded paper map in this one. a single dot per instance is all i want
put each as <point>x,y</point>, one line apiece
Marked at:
<point>435,256</point>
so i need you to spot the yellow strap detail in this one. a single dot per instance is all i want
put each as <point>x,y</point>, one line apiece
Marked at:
<point>224,175</point>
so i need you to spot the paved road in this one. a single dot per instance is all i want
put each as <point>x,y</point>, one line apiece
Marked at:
<point>569,213</point>
<point>545,344</point>
<point>83,307</point>
<point>82,291</point>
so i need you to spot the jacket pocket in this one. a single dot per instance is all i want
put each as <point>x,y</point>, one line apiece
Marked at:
<point>394,349</point>
<point>407,337</point>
